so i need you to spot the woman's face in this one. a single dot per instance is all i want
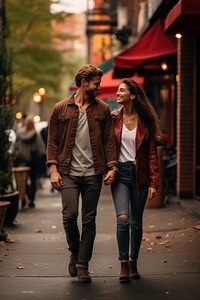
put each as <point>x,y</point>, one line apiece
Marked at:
<point>123,94</point>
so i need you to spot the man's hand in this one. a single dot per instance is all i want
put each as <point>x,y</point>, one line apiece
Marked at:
<point>109,177</point>
<point>56,179</point>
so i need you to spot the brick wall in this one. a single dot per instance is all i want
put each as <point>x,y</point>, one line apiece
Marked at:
<point>186,118</point>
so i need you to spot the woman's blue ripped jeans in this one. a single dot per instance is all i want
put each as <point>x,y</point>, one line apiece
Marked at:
<point>125,196</point>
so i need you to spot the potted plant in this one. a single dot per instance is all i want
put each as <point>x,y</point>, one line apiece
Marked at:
<point>3,211</point>
<point>7,192</point>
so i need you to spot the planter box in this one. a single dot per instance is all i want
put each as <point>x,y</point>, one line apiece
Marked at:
<point>3,211</point>
<point>21,178</point>
<point>13,208</point>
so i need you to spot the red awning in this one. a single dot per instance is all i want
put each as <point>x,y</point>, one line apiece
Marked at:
<point>184,18</point>
<point>109,85</point>
<point>153,44</point>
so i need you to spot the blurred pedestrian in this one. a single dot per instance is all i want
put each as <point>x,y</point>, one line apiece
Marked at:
<point>28,150</point>
<point>43,167</point>
<point>137,132</point>
<point>44,134</point>
<point>81,149</point>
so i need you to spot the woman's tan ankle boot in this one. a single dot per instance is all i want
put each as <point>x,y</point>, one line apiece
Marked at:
<point>133,269</point>
<point>124,272</point>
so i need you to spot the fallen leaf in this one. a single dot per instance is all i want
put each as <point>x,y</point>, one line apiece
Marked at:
<point>158,237</point>
<point>153,243</point>
<point>2,243</point>
<point>11,241</point>
<point>164,242</point>
<point>149,249</point>
<point>197,227</point>
<point>38,230</point>
<point>20,267</point>
<point>151,226</point>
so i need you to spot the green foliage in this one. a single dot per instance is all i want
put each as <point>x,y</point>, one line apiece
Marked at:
<point>6,108</point>
<point>6,117</point>
<point>36,61</point>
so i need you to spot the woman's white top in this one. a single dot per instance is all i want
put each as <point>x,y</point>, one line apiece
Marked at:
<point>128,145</point>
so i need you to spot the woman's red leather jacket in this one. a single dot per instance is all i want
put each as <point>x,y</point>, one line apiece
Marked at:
<point>147,169</point>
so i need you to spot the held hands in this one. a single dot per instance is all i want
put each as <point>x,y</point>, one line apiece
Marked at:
<point>152,192</point>
<point>109,177</point>
<point>56,180</point>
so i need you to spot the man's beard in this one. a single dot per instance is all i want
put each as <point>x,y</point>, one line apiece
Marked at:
<point>91,93</point>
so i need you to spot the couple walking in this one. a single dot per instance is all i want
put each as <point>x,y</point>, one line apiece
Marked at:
<point>88,146</point>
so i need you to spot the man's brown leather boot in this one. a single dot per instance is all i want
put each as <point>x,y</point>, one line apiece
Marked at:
<point>72,264</point>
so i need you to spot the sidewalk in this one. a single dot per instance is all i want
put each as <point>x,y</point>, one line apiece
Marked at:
<point>34,263</point>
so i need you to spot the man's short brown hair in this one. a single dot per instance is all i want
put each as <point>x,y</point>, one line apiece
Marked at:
<point>87,72</point>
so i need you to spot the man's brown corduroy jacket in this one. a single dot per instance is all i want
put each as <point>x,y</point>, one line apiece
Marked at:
<point>62,131</point>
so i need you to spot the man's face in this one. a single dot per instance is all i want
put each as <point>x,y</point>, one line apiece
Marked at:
<point>92,87</point>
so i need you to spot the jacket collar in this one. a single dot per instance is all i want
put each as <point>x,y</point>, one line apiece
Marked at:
<point>142,131</point>
<point>117,114</point>
<point>70,100</point>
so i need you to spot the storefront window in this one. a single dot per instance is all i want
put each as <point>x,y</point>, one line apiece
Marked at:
<point>161,92</point>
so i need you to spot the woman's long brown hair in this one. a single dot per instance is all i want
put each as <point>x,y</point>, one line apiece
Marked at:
<point>144,108</point>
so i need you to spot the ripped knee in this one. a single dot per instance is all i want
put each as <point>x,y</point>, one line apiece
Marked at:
<point>123,219</point>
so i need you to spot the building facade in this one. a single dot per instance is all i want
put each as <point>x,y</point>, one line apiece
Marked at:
<point>175,90</point>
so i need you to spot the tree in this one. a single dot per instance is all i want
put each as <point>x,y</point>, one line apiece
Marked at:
<point>6,108</point>
<point>36,61</point>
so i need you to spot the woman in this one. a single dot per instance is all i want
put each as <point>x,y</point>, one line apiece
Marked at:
<point>28,150</point>
<point>137,179</point>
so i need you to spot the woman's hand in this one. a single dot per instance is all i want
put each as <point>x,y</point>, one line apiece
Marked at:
<point>152,192</point>
<point>109,177</point>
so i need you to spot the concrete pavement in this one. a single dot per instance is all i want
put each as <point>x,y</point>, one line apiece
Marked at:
<point>33,264</point>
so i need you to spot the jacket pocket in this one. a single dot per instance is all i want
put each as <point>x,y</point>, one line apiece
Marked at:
<point>99,122</point>
<point>63,119</point>
<point>99,118</point>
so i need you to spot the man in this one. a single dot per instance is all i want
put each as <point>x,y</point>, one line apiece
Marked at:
<point>81,149</point>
